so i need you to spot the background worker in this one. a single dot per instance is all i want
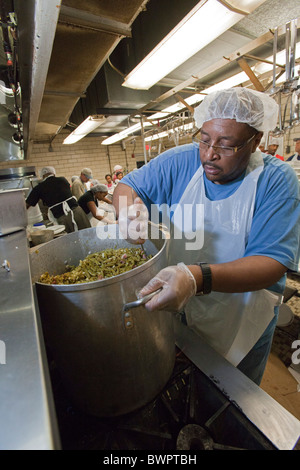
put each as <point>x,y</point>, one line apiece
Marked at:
<point>296,155</point>
<point>91,201</point>
<point>272,150</point>
<point>116,169</point>
<point>56,194</point>
<point>79,184</point>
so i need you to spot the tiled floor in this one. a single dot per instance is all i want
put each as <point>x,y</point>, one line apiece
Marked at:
<point>278,381</point>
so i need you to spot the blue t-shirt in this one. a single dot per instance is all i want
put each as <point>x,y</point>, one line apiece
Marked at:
<point>276,218</point>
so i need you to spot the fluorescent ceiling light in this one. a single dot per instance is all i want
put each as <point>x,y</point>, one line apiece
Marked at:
<point>230,82</point>
<point>205,22</point>
<point>87,126</point>
<point>121,135</point>
<point>162,134</point>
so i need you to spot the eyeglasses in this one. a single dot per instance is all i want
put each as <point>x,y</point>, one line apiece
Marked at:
<point>219,150</point>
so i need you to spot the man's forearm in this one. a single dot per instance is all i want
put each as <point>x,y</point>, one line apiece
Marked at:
<point>242,275</point>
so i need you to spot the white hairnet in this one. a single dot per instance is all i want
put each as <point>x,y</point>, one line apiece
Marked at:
<point>47,170</point>
<point>99,188</point>
<point>252,107</point>
<point>117,167</point>
<point>75,177</point>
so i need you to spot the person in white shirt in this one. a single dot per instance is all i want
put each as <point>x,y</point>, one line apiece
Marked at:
<point>296,155</point>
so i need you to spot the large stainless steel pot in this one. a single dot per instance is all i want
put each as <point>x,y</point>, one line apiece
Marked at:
<point>111,361</point>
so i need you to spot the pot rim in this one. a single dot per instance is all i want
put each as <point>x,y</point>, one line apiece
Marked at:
<point>110,280</point>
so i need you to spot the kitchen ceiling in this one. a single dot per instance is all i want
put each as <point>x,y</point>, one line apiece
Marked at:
<point>73,56</point>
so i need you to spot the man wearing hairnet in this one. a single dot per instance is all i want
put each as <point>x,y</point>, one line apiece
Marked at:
<point>56,194</point>
<point>242,210</point>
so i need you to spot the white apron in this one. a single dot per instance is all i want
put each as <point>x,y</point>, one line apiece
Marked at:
<point>66,208</point>
<point>230,323</point>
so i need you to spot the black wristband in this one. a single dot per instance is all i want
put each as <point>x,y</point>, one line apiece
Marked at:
<point>207,278</point>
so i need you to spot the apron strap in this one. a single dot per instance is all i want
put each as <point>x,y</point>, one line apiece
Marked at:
<point>66,209</point>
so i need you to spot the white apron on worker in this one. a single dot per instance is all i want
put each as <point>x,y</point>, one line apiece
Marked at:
<point>230,323</point>
<point>66,209</point>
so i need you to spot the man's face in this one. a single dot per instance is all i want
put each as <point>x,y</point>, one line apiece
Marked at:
<point>100,196</point>
<point>83,178</point>
<point>272,149</point>
<point>297,146</point>
<point>226,133</point>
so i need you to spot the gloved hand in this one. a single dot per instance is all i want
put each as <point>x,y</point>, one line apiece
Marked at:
<point>178,286</point>
<point>108,221</point>
<point>133,222</point>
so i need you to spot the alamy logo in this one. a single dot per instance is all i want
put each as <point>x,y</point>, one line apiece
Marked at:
<point>182,222</point>
<point>296,354</point>
<point>2,352</point>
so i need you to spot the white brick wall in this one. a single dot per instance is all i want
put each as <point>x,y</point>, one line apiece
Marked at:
<point>68,160</point>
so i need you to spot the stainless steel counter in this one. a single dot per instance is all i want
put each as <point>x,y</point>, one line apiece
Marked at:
<point>27,413</point>
<point>275,422</point>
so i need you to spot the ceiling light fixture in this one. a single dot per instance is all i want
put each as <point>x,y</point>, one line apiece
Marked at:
<point>121,135</point>
<point>160,135</point>
<point>230,82</point>
<point>87,126</point>
<point>205,22</point>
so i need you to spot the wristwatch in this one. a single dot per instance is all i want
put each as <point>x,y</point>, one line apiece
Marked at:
<point>207,278</point>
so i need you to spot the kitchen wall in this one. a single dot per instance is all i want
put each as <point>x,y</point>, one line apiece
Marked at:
<point>68,160</point>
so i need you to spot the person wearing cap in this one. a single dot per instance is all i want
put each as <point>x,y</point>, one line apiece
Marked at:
<point>272,150</point>
<point>89,202</point>
<point>234,221</point>
<point>296,155</point>
<point>55,193</point>
<point>79,185</point>
<point>117,168</point>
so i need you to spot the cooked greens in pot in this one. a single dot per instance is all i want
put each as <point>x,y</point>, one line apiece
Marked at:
<point>101,265</point>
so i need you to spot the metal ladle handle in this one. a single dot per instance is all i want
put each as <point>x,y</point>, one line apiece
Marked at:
<point>142,301</point>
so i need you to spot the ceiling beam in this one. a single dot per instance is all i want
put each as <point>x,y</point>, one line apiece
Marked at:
<point>190,108</point>
<point>253,78</point>
<point>246,49</point>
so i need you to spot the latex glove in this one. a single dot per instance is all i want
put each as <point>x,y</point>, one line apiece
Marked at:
<point>178,286</point>
<point>133,222</point>
<point>108,221</point>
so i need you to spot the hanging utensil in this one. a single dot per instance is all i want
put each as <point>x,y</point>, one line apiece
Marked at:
<point>274,90</point>
<point>293,32</point>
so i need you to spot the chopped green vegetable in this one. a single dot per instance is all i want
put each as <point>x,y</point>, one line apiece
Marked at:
<point>101,265</point>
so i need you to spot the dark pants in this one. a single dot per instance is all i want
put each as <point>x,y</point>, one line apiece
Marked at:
<point>79,216</point>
